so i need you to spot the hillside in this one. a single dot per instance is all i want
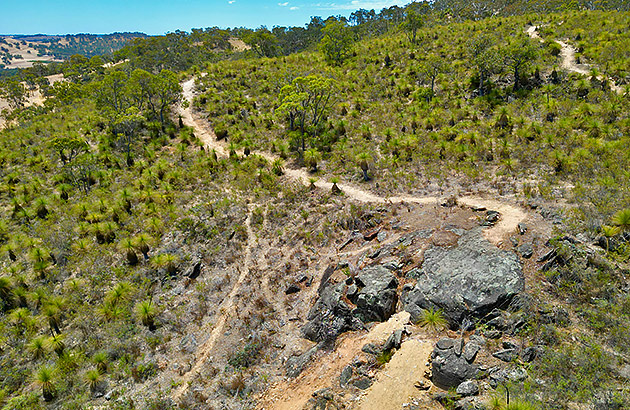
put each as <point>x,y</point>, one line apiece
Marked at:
<point>415,211</point>
<point>22,51</point>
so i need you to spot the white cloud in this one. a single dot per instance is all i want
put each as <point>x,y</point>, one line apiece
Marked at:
<point>362,4</point>
<point>231,1</point>
<point>294,8</point>
<point>283,4</point>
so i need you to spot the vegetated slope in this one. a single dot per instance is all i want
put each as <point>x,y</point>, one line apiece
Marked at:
<point>142,271</point>
<point>22,51</point>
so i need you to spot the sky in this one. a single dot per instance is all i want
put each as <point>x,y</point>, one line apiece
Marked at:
<point>162,16</point>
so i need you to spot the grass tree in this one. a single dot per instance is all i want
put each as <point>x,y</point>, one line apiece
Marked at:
<point>145,312</point>
<point>363,160</point>
<point>622,220</point>
<point>93,379</point>
<point>45,376</point>
<point>101,361</point>
<point>311,158</point>
<point>128,246</point>
<point>141,243</point>
<point>38,346</point>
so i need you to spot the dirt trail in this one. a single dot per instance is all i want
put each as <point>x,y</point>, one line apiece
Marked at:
<point>227,307</point>
<point>395,384</point>
<point>511,215</point>
<point>293,394</point>
<point>569,62</point>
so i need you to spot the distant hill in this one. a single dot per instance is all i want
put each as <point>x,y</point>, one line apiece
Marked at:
<point>21,51</point>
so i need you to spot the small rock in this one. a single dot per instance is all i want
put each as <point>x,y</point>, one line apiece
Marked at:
<point>468,388</point>
<point>529,354</point>
<point>381,236</point>
<point>522,228</point>
<point>526,250</point>
<point>362,383</point>
<point>444,344</point>
<point>392,265</point>
<point>345,376</point>
<point>492,334</point>
<point>371,348</point>
<point>509,345</point>
<point>547,256</point>
<point>470,351</point>
<point>458,347</point>
<point>108,395</point>
<point>507,355</point>
<point>292,288</point>
<point>394,341</point>
<point>352,291</point>
<point>421,385</point>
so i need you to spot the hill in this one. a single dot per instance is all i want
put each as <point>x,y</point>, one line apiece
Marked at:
<point>421,209</point>
<point>21,51</point>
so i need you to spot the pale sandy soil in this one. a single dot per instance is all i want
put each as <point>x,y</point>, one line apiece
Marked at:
<point>27,59</point>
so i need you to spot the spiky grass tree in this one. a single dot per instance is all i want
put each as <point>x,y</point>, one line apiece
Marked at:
<point>93,379</point>
<point>141,243</point>
<point>432,319</point>
<point>622,220</point>
<point>101,361</point>
<point>6,294</point>
<point>610,232</point>
<point>38,347</point>
<point>145,312</point>
<point>127,246</point>
<point>312,158</point>
<point>57,344</point>
<point>363,160</point>
<point>45,377</point>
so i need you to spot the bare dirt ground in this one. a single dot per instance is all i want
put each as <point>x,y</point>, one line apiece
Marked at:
<point>29,55</point>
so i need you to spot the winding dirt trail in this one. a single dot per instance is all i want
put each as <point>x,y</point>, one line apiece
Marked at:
<point>227,307</point>
<point>511,215</point>
<point>569,62</point>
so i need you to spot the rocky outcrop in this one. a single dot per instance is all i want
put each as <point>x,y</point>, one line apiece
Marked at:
<point>469,280</point>
<point>376,297</point>
<point>449,366</point>
<point>373,293</point>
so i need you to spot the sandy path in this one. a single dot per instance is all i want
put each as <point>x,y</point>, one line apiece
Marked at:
<point>569,63</point>
<point>227,307</point>
<point>511,215</point>
<point>394,385</point>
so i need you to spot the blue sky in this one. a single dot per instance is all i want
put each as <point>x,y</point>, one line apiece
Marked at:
<point>161,16</point>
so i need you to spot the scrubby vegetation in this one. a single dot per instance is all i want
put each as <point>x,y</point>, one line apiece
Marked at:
<point>107,200</point>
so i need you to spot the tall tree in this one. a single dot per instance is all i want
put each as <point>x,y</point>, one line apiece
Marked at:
<point>484,57</point>
<point>337,41</point>
<point>305,102</point>
<point>517,55</point>
<point>262,41</point>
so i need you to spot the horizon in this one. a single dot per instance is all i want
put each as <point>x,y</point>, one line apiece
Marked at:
<point>161,17</point>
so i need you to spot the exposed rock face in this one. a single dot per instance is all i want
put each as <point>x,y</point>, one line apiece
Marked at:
<point>468,280</point>
<point>448,368</point>
<point>330,316</point>
<point>376,301</point>
<point>373,292</point>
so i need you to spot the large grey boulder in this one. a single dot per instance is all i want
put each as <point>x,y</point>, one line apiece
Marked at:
<point>469,280</point>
